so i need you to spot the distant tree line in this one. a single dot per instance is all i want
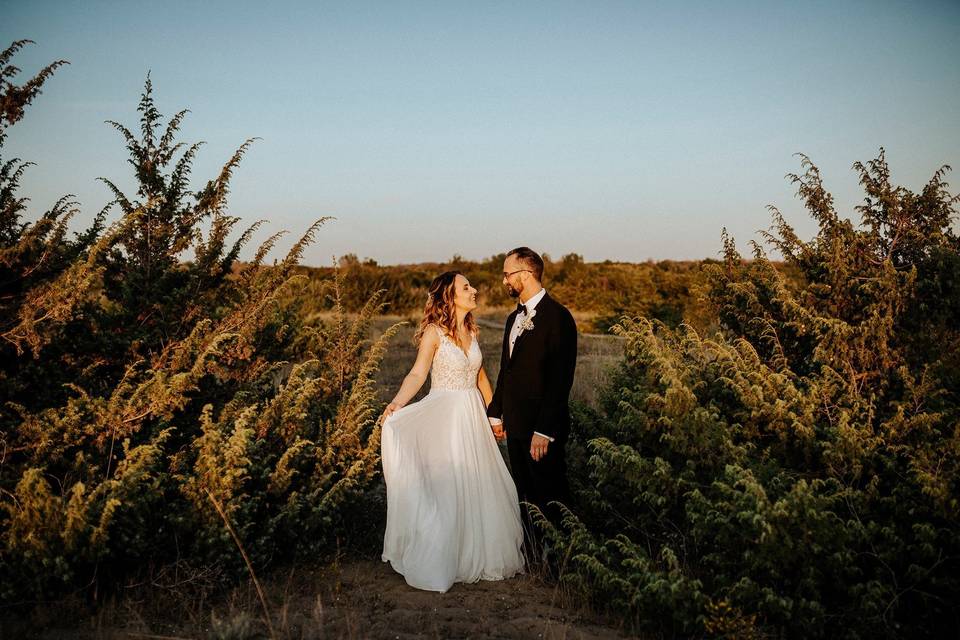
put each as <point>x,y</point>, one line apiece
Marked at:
<point>669,291</point>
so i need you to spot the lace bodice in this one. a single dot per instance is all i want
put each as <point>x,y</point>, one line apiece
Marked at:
<point>452,368</point>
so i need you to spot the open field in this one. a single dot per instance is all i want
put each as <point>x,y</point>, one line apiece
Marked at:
<point>597,355</point>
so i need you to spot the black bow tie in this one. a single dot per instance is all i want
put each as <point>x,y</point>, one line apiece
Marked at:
<point>521,308</point>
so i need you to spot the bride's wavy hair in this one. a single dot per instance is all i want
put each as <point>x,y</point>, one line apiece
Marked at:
<point>440,309</point>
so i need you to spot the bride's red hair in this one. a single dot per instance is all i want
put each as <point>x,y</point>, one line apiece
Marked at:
<point>441,310</point>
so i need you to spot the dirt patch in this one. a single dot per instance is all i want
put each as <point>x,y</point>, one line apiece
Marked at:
<point>351,599</point>
<point>371,600</point>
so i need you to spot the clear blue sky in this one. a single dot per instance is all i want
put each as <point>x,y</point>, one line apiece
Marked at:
<point>621,130</point>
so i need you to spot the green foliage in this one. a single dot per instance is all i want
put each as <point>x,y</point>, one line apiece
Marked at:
<point>796,474</point>
<point>140,388</point>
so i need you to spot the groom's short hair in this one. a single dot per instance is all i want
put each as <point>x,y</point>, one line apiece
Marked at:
<point>531,259</point>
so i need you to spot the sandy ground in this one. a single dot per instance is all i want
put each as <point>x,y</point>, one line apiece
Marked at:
<point>377,603</point>
<point>355,599</point>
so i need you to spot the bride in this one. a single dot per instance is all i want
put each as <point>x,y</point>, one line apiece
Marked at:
<point>452,509</point>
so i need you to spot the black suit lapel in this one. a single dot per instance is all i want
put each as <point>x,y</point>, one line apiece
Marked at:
<point>541,307</point>
<point>516,345</point>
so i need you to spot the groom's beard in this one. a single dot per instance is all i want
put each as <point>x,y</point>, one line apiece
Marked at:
<point>513,293</point>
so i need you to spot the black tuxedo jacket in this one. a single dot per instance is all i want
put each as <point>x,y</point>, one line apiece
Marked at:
<point>533,386</point>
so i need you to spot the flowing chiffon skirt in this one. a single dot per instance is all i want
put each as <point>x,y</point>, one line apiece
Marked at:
<point>452,510</point>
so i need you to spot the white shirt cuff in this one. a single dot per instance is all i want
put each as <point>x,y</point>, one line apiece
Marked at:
<point>495,421</point>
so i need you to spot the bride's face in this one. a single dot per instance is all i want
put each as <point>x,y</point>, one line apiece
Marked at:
<point>465,296</point>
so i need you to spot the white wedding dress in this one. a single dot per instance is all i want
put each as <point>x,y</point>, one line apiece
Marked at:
<point>452,509</point>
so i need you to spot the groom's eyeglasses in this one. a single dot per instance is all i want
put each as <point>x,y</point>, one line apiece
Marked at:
<point>507,275</point>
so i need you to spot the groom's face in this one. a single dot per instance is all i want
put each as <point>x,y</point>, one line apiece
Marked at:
<point>513,271</point>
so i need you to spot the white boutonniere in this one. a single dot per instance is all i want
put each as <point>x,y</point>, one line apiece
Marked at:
<point>527,324</point>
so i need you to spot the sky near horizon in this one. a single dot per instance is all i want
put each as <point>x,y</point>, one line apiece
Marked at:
<point>616,130</point>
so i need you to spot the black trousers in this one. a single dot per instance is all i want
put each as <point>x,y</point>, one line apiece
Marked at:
<point>539,483</point>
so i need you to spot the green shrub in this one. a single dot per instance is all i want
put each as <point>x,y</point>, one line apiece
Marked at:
<point>144,393</point>
<point>797,473</point>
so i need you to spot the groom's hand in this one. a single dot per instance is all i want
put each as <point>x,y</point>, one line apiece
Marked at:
<point>538,447</point>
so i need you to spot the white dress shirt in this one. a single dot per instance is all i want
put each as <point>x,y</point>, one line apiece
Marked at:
<point>529,307</point>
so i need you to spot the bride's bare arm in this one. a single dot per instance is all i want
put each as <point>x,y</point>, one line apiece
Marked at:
<point>483,383</point>
<point>418,373</point>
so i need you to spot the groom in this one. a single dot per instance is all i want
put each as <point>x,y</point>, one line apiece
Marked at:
<point>533,387</point>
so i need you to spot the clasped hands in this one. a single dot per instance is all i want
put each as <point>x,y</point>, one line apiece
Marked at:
<point>498,431</point>
<point>538,444</point>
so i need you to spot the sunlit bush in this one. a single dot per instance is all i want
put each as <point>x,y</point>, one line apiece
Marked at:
<point>155,403</point>
<point>799,472</point>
